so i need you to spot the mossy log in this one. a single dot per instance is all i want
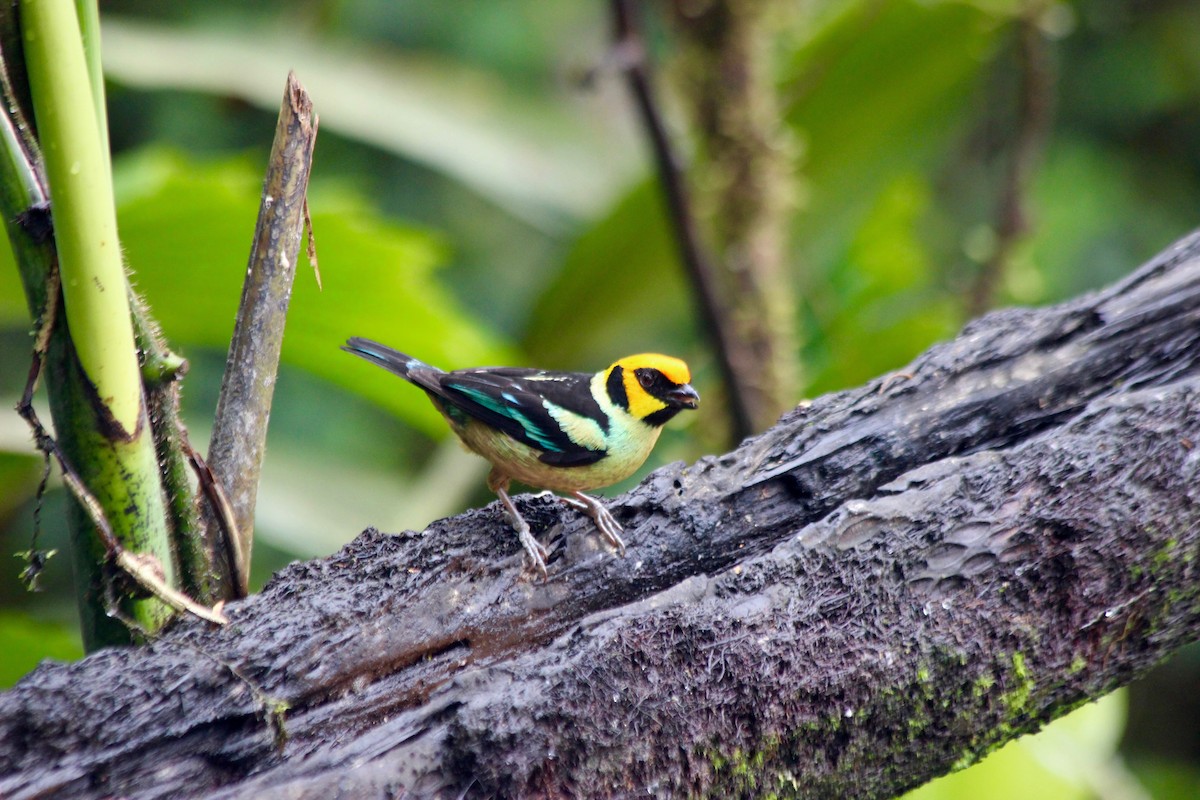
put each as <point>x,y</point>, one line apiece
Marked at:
<point>885,586</point>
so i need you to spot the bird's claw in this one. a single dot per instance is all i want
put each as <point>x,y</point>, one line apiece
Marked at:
<point>608,526</point>
<point>605,523</point>
<point>536,550</point>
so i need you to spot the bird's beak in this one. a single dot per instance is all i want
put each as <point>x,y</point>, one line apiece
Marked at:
<point>683,396</point>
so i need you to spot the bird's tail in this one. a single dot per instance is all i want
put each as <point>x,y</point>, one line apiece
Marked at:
<point>386,357</point>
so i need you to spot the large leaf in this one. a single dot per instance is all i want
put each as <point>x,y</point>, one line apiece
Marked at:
<point>537,156</point>
<point>186,228</point>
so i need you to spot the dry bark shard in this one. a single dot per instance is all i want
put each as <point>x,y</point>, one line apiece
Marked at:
<point>239,437</point>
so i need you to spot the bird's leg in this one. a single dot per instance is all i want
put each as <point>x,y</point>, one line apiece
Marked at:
<point>498,483</point>
<point>608,525</point>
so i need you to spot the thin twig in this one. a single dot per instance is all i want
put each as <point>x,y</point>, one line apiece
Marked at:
<point>146,570</point>
<point>35,558</point>
<point>243,410</point>
<point>628,42</point>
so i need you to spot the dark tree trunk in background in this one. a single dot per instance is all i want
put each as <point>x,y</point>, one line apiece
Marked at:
<point>889,583</point>
<point>743,177</point>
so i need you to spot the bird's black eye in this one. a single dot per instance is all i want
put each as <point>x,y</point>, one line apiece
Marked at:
<point>646,378</point>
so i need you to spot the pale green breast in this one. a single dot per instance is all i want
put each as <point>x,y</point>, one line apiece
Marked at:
<point>582,430</point>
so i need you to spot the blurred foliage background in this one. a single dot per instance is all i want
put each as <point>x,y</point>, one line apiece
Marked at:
<point>476,202</point>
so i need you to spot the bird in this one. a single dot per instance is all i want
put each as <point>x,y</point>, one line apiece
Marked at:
<point>566,432</point>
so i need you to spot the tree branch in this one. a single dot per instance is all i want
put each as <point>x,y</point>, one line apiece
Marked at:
<point>743,182</point>
<point>883,587</point>
<point>714,312</point>
<point>239,436</point>
<point>1033,121</point>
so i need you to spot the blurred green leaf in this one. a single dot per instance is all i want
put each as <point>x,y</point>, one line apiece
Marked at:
<point>13,311</point>
<point>25,641</point>
<point>186,228</point>
<point>540,157</point>
<point>884,89</point>
<point>620,290</point>
<point>1084,198</point>
<point>1169,779</point>
<point>311,509</point>
<point>20,471</point>
<point>1103,87</point>
<point>883,304</point>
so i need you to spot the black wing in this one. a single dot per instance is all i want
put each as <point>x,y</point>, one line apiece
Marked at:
<point>513,400</point>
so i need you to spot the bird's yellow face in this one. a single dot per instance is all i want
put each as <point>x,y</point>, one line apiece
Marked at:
<point>655,386</point>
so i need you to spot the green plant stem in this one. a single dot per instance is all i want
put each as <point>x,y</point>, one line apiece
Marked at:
<point>161,373</point>
<point>88,13</point>
<point>93,276</point>
<point>94,378</point>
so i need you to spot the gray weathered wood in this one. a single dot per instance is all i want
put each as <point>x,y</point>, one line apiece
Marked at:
<point>890,582</point>
<point>239,435</point>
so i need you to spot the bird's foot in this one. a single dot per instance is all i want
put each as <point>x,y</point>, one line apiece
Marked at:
<point>605,522</point>
<point>536,551</point>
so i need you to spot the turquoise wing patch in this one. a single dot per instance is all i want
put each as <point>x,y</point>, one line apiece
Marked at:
<point>505,406</point>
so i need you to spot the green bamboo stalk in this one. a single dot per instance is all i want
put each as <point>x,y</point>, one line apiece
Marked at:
<point>89,253</point>
<point>88,13</point>
<point>23,193</point>
<point>161,370</point>
<point>101,425</point>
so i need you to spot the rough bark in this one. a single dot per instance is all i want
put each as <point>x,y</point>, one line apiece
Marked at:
<point>884,586</point>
